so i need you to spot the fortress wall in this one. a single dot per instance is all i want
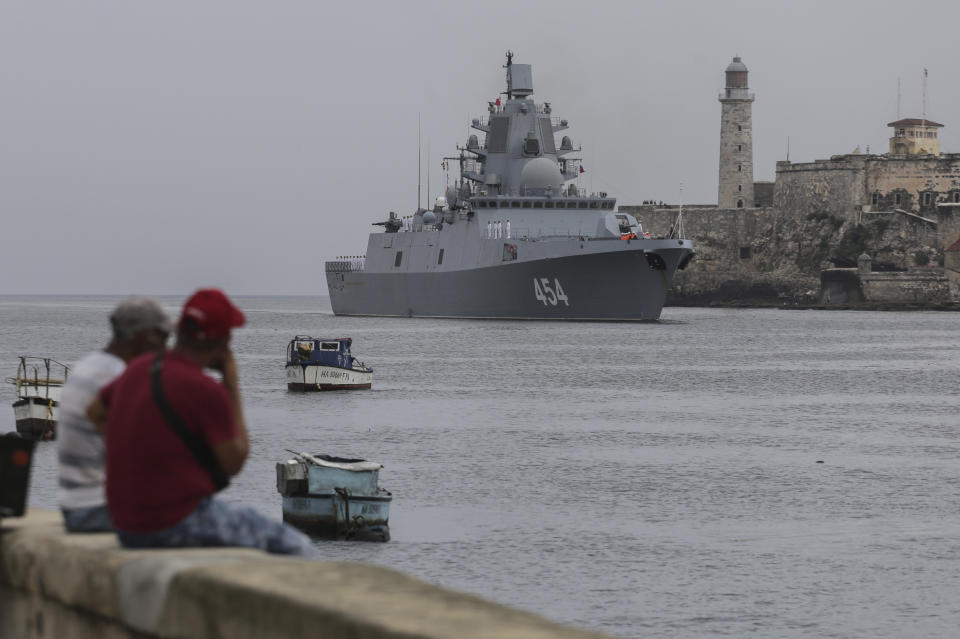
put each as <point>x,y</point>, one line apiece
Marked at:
<point>699,288</point>
<point>911,287</point>
<point>729,240</point>
<point>821,211</point>
<point>741,254</point>
<point>766,254</point>
<point>845,182</point>
<point>911,178</point>
<point>949,231</point>
<point>763,194</point>
<point>849,285</point>
<point>833,187</point>
<point>718,233</point>
<point>85,586</point>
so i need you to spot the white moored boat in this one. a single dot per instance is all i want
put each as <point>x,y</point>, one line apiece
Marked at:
<point>320,364</point>
<point>38,384</point>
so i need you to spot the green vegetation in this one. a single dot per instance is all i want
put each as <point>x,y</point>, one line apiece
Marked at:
<point>824,217</point>
<point>880,226</point>
<point>853,242</point>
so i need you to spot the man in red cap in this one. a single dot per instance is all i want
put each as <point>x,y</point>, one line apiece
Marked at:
<point>173,437</point>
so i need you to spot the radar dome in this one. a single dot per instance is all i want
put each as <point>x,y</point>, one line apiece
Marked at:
<point>429,217</point>
<point>539,173</point>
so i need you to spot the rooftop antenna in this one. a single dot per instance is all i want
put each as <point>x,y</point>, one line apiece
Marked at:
<point>788,148</point>
<point>419,155</point>
<point>428,172</point>
<point>924,116</point>
<point>898,98</point>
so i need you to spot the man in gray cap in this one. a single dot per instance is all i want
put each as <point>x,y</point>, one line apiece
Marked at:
<point>140,325</point>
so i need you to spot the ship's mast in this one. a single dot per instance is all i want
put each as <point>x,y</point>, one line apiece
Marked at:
<point>509,80</point>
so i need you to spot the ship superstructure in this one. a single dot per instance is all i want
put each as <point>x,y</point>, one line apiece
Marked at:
<point>514,237</point>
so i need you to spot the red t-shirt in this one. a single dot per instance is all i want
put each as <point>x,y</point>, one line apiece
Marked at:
<point>153,480</point>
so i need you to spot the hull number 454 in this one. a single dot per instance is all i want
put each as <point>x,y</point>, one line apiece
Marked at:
<point>549,294</point>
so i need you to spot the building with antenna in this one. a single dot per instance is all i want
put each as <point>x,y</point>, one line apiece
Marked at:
<point>912,136</point>
<point>736,139</point>
<point>914,178</point>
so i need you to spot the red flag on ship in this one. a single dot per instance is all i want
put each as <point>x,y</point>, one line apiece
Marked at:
<point>497,103</point>
<point>582,169</point>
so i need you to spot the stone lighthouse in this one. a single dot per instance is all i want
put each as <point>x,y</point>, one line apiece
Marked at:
<point>736,140</point>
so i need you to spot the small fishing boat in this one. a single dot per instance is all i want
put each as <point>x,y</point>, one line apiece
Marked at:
<point>334,497</point>
<point>321,364</point>
<point>38,384</point>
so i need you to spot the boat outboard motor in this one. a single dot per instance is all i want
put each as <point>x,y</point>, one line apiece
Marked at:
<point>291,477</point>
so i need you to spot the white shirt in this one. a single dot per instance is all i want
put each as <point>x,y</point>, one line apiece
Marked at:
<point>79,445</point>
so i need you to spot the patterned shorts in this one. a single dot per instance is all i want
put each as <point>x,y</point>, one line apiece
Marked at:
<point>217,523</point>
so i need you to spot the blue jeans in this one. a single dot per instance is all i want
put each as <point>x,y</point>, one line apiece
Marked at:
<point>217,523</point>
<point>87,520</point>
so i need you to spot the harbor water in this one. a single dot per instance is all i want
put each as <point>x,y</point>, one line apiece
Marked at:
<point>645,480</point>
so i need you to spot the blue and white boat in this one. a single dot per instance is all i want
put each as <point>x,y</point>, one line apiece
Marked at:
<point>320,364</point>
<point>334,497</point>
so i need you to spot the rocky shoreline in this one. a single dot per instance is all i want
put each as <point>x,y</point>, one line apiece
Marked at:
<point>807,306</point>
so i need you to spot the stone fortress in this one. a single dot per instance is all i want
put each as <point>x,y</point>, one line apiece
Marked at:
<point>860,227</point>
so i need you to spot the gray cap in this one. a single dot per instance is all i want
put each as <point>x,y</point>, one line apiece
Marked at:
<point>136,314</point>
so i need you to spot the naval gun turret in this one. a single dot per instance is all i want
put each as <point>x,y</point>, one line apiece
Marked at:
<point>392,224</point>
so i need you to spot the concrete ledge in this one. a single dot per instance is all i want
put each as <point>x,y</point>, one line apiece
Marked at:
<point>58,585</point>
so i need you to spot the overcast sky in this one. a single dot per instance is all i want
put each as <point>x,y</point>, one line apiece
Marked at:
<point>155,147</point>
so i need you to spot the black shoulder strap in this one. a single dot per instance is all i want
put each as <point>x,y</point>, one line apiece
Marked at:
<point>200,450</point>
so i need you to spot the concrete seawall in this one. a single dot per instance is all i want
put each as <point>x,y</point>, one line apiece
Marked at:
<point>57,585</point>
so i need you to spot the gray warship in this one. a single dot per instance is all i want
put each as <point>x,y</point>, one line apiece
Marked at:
<point>514,237</point>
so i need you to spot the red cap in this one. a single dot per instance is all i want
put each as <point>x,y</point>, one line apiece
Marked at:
<point>213,312</point>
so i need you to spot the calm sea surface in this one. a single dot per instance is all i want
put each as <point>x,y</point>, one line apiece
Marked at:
<point>647,480</point>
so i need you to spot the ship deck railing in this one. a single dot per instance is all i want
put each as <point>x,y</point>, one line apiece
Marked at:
<point>525,235</point>
<point>522,236</point>
<point>344,266</point>
<point>540,108</point>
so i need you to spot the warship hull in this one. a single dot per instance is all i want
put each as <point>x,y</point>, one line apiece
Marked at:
<point>616,285</point>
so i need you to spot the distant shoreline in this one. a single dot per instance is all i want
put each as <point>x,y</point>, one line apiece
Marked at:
<point>807,306</point>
